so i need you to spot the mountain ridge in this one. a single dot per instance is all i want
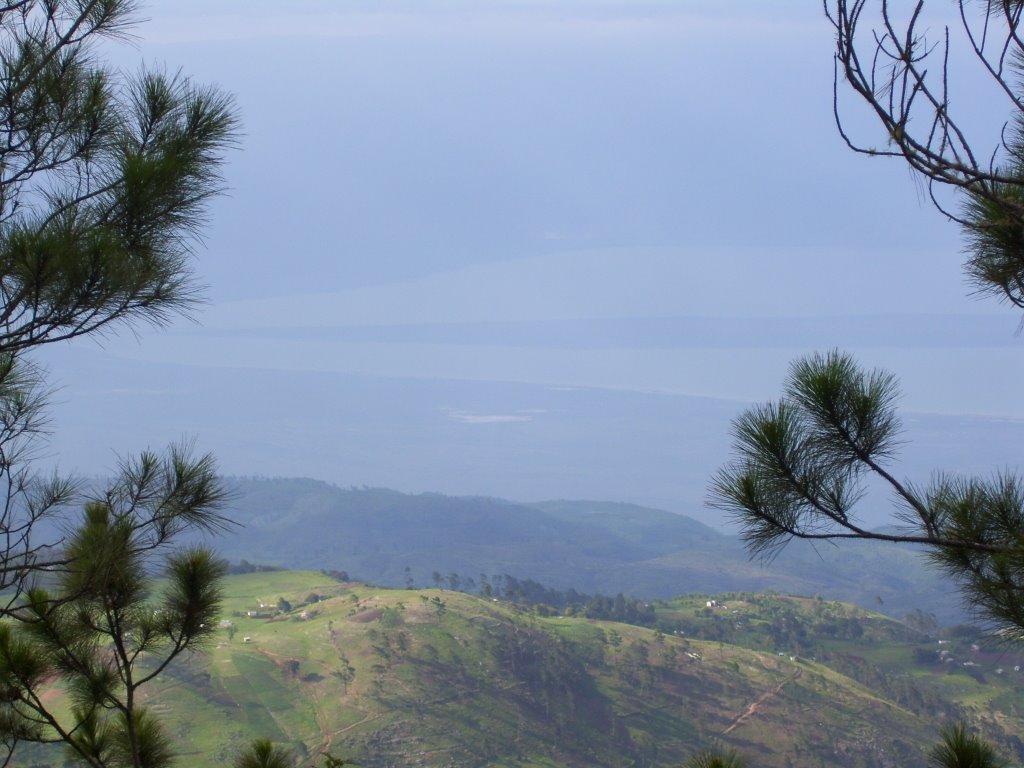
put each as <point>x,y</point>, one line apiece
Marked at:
<point>394,539</point>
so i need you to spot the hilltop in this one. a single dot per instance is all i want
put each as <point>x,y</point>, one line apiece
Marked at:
<point>395,539</point>
<point>397,677</point>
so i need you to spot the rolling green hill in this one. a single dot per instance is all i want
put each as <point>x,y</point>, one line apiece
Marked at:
<point>376,534</point>
<point>437,678</point>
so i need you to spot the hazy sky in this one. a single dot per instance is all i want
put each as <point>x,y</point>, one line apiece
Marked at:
<point>634,195</point>
<point>390,142</point>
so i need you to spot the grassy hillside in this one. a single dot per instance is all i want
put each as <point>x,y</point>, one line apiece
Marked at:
<point>376,534</point>
<point>438,678</point>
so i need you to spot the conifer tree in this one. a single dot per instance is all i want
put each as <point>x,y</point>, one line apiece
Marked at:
<point>100,631</point>
<point>104,181</point>
<point>263,754</point>
<point>800,462</point>
<point>800,472</point>
<point>894,58</point>
<point>716,757</point>
<point>958,748</point>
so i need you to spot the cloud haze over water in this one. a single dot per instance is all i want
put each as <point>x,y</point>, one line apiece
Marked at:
<point>450,212</point>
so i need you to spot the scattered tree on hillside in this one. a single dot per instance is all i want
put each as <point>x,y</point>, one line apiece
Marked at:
<point>345,672</point>
<point>548,601</point>
<point>244,566</point>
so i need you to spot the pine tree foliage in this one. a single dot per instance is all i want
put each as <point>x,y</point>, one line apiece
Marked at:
<point>104,180</point>
<point>802,462</point>
<point>801,468</point>
<point>101,631</point>
<point>103,177</point>
<point>958,748</point>
<point>263,754</point>
<point>895,58</point>
<point>716,757</point>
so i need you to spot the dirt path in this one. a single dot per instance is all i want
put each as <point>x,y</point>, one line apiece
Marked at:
<point>318,712</point>
<point>764,697</point>
<point>314,695</point>
<point>321,719</point>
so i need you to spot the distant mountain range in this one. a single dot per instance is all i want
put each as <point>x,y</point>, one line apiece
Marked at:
<point>395,539</point>
<point>516,440</point>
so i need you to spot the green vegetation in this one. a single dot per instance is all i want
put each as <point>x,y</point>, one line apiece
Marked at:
<point>397,539</point>
<point>800,473</point>
<point>900,71</point>
<point>104,185</point>
<point>716,758</point>
<point>397,677</point>
<point>101,634</point>
<point>801,463</point>
<point>959,749</point>
<point>263,754</point>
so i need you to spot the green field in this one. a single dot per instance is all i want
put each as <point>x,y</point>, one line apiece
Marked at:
<point>440,678</point>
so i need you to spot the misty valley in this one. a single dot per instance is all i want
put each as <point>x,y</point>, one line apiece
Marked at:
<point>391,629</point>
